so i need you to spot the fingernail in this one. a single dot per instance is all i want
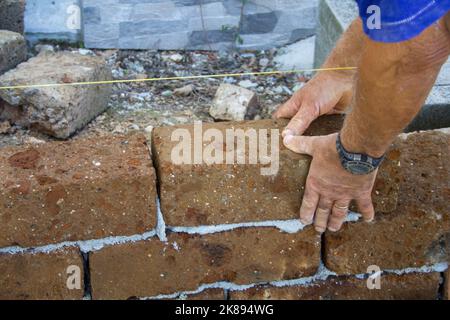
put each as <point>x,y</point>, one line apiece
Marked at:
<point>287,132</point>
<point>320,230</point>
<point>306,223</point>
<point>368,220</point>
<point>332,229</point>
<point>287,139</point>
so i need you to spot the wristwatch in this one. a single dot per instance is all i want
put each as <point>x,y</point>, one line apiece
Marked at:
<point>357,163</point>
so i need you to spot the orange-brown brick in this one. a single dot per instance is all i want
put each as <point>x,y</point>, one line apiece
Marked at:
<point>40,276</point>
<point>417,233</point>
<point>393,287</point>
<point>247,255</point>
<point>78,190</point>
<point>203,194</point>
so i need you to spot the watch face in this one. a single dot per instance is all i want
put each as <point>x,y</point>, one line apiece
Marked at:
<point>357,167</point>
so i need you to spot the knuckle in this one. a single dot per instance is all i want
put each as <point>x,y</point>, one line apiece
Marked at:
<point>339,213</point>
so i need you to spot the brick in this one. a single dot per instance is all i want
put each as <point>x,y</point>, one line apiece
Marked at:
<point>218,193</point>
<point>393,287</point>
<point>13,50</point>
<point>40,276</point>
<point>248,255</point>
<point>417,232</point>
<point>58,111</point>
<point>78,190</point>
<point>12,15</point>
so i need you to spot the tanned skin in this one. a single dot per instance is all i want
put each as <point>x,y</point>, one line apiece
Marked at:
<point>390,87</point>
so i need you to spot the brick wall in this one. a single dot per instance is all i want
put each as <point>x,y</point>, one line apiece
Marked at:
<point>114,218</point>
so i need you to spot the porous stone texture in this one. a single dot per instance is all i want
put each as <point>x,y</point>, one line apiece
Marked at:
<point>212,24</point>
<point>233,103</point>
<point>335,16</point>
<point>13,50</point>
<point>417,232</point>
<point>40,276</point>
<point>56,110</point>
<point>393,287</point>
<point>12,15</point>
<point>204,194</point>
<point>78,190</point>
<point>247,255</point>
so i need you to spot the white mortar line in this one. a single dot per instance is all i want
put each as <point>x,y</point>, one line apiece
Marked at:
<point>85,246</point>
<point>288,226</point>
<point>322,274</point>
<point>160,224</point>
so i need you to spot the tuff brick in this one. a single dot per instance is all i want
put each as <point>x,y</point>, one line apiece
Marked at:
<point>150,268</point>
<point>417,232</point>
<point>393,287</point>
<point>13,49</point>
<point>78,190</point>
<point>40,276</point>
<point>58,111</point>
<point>202,194</point>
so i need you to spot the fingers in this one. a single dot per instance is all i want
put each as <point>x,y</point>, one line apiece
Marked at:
<point>366,209</point>
<point>300,144</point>
<point>309,205</point>
<point>338,215</point>
<point>288,109</point>
<point>301,121</point>
<point>322,213</point>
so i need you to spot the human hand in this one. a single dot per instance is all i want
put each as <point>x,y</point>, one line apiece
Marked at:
<point>329,187</point>
<point>329,92</point>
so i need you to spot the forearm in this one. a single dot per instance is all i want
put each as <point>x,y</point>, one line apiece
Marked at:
<point>393,83</point>
<point>347,51</point>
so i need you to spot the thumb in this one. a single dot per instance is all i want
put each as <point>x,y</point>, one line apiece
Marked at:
<point>301,121</point>
<point>300,144</point>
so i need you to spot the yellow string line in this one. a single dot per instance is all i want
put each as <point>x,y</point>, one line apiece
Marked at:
<point>223,75</point>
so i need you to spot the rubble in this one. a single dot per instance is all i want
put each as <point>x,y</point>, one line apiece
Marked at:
<point>233,103</point>
<point>13,50</point>
<point>57,110</point>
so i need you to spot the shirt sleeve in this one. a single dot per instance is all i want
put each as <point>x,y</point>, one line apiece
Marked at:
<point>399,20</point>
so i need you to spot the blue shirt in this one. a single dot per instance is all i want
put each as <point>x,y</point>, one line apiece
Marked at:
<point>399,20</point>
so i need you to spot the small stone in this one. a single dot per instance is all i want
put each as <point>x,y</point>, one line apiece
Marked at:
<point>232,103</point>
<point>167,93</point>
<point>44,48</point>
<point>5,127</point>
<point>184,91</point>
<point>85,52</point>
<point>134,127</point>
<point>175,57</point>
<point>119,129</point>
<point>264,62</point>
<point>33,140</point>
<point>247,84</point>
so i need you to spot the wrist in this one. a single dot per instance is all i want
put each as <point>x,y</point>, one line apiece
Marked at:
<point>356,163</point>
<point>358,142</point>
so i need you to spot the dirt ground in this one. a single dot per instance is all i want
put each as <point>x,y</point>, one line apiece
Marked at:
<point>144,105</point>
